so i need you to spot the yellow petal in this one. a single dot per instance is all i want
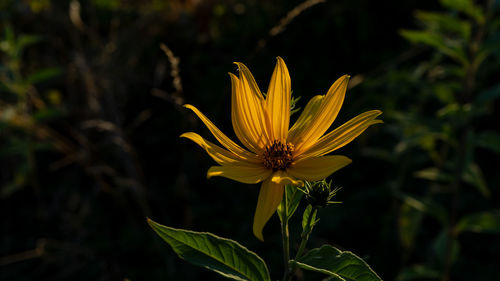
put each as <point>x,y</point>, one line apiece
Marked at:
<point>220,155</point>
<point>270,197</point>
<point>248,81</point>
<point>223,139</point>
<point>281,177</point>
<point>314,169</point>
<point>278,101</point>
<point>343,134</point>
<point>323,117</point>
<point>242,126</point>
<point>250,106</point>
<point>305,117</point>
<point>246,174</point>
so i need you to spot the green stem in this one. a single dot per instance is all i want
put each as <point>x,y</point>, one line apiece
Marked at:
<point>304,238</point>
<point>305,233</point>
<point>286,238</point>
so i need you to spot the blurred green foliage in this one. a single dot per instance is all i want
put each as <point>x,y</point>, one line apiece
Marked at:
<point>90,114</point>
<point>441,139</point>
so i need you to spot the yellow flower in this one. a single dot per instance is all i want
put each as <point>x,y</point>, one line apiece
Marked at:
<point>276,155</point>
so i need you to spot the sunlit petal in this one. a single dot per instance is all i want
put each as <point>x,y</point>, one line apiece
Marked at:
<point>343,134</point>
<point>305,118</point>
<point>270,197</point>
<point>242,126</point>
<point>278,101</point>
<point>223,139</point>
<point>220,155</point>
<point>324,116</point>
<point>250,106</point>
<point>281,177</point>
<point>314,169</point>
<point>244,174</point>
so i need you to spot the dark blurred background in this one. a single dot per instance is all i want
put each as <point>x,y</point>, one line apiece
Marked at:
<point>91,96</point>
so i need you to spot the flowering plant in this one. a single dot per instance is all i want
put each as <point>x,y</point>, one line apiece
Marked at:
<point>289,162</point>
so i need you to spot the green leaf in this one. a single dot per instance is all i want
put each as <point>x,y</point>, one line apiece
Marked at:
<point>440,247</point>
<point>467,7</point>
<point>7,43</point>
<point>24,41</point>
<point>305,217</point>
<point>42,75</point>
<point>20,180</point>
<point>426,206</point>
<point>46,114</point>
<point>433,174</point>
<point>436,41</point>
<point>221,255</point>
<point>489,140</point>
<point>409,223</point>
<point>485,222</point>
<point>293,105</point>
<point>343,265</point>
<point>445,24</point>
<point>444,93</point>
<point>452,110</point>
<point>293,197</point>
<point>474,176</point>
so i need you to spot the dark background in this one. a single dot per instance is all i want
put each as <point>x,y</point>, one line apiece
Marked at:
<point>91,113</point>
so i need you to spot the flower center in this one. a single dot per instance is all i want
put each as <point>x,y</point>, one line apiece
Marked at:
<point>278,156</point>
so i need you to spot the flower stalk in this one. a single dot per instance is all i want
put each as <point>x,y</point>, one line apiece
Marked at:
<point>285,237</point>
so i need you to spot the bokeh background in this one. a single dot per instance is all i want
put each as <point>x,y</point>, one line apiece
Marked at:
<point>91,96</point>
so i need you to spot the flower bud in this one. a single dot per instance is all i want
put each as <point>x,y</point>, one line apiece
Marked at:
<point>319,193</point>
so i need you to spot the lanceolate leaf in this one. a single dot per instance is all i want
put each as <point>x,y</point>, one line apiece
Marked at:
<point>474,176</point>
<point>436,41</point>
<point>446,250</point>
<point>305,217</point>
<point>409,222</point>
<point>427,206</point>
<point>293,196</point>
<point>485,222</point>
<point>467,7</point>
<point>489,139</point>
<point>342,265</point>
<point>445,24</point>
<point>42,75</point>
<point>221,255</point>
